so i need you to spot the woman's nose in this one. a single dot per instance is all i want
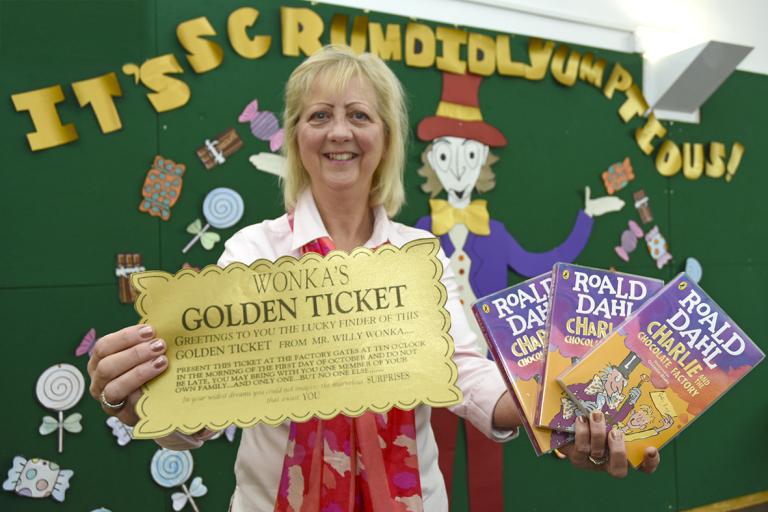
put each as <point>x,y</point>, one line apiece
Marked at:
<point>340,129</point>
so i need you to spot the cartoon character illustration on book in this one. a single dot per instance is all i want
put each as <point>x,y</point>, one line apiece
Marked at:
<point>481,250</point>
<point>605,393</point>
<point>637,425</point>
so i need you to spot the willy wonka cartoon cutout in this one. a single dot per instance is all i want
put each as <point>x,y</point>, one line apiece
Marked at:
<point>481,250</point>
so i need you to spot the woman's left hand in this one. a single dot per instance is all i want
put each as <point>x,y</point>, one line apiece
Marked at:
<point>593,449</point>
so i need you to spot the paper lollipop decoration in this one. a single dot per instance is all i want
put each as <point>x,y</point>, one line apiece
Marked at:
<point>693,269</point>
<point>222,208</point>
<point>172,469</point>
<point>59,388</point>
<point>122,432</point>
<point>264,125</point>
<point>37,478</point>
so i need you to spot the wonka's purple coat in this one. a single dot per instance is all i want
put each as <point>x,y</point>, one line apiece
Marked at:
<point>492,254</point>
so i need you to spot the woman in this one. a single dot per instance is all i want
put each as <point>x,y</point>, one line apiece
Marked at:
<point>345,125</point>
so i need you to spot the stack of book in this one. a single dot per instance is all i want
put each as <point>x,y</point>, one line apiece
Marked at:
<point>651,358</point>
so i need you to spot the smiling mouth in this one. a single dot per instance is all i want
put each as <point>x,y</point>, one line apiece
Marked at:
<point>459,193</point>
<point>340,157</point>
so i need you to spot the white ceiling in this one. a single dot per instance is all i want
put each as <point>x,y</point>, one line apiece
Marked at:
<point>653,27</point>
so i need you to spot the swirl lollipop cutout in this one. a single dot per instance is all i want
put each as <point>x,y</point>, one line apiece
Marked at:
<point>172,469</point>
<point>60,388</point>
<point>222,208</point>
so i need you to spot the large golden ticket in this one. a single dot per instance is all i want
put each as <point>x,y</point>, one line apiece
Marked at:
<point>296,339</point>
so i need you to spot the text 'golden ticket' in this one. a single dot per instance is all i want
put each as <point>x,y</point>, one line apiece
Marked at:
<point>293,339</point>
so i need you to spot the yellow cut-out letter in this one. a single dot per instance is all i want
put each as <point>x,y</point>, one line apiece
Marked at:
<point>693,165</point>
<point>169,93</point>
<point>204,55</point>
<point>301,31</point>
<point>359,38</point>
<point>504,62</point>
<point>620,80</point>
<point>41,104</point>
<point>539,53</point>
<point>450,56</point>
<point>98,92</point>
<point>645,135</point>
<point>238,22</point>
<point>387,46</point>
<point>668,160</point>
<point>562,72</point>
<point>481,54</point>
<point>419,46</point>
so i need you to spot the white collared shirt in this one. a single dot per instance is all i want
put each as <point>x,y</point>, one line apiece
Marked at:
<point>262,448</point>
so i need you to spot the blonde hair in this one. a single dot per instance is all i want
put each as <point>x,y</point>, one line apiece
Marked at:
<point>338,65</point>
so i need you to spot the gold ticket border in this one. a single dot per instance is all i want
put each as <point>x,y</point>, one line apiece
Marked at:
<point>427,246</point>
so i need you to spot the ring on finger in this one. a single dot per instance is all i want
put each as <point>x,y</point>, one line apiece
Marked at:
<point>109,405</point>
<point>598,461</point>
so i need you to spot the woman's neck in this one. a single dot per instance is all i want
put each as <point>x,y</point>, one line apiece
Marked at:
<point>349,221</point>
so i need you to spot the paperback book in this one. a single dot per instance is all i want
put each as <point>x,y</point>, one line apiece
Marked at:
<point>663,367</point>
<point>513,322</point>
<point>586,305</point>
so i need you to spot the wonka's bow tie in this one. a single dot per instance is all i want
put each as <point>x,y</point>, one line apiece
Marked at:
<point>475,216</point>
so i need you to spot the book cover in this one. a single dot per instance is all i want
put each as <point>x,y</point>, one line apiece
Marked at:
<point>663,367</point>
<point>586,305</point>
<point>513,322</point>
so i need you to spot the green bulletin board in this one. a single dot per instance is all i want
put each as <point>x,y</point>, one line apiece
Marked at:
<point>70,209</point>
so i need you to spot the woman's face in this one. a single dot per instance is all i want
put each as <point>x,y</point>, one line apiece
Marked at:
<point>341,138</point>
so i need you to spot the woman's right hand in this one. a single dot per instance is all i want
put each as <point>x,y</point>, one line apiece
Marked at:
<point>120,364</point>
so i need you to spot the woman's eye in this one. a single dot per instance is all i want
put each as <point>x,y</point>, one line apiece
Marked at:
<point>318,116</point>
<point>360,116</point>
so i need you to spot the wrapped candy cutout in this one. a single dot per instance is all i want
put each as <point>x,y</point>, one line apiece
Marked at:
<point>122,432</point>
<point>60,388</point>
<point>264,125</point>
<point>37,478</point>
<point>618,175</point>
<point>127,264</point>
<point>162,187</point>
<point>629,239</point>
<point>172,469</point>
<point>641,204</point>
<point>87,343</point>
<point>222,208</point>
<point>215,152</point>
<point>657,246</point>
<point>228,433</point>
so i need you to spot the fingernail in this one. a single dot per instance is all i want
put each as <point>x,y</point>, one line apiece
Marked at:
<point>159,362</point>
<point>581,419</point>
<point>617,435</point>
<point>157,345</point>
<point>146,332</point>
<point>597,416</point>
